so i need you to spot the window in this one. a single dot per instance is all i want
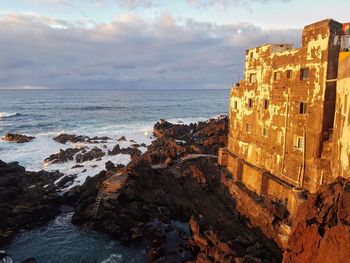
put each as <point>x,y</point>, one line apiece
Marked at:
<point>265,132</point>
<point>304,74</point>
<point>276,75</point>
<point>248,128</point>
<point>250,103</point>
<point>252,78</point>
<point>302,108</point>
<point>251,55</point>
<point>299,142</point>
<point>266,104</point>
<point>289,74</point>
<point>235,105</point>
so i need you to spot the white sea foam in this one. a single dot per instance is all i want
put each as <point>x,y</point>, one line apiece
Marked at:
<point>32,155</point>
<point>4,115</point>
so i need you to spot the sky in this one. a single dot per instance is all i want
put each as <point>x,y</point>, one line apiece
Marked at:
<point>140,44</point>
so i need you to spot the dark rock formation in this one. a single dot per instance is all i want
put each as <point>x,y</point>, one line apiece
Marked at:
<point>94,153</point>
<point>64,138</point>
<point>219,233</point>
<point>27,199</point>
<point>109,166</point>
<point>122,139</point>
<point>63,156</point>
<point>134,152</point>
<point>18,138</point>
<point>321,231</point>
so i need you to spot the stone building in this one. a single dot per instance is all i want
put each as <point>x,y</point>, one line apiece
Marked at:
<point>289,116</point>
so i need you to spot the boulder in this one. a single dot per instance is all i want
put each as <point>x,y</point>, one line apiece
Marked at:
<point>64,138</point>
<point>94,153</point>
<point>63,156</point>
<point>18,138</point>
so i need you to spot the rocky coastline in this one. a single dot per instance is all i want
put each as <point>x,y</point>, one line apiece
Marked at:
<point>174,199</point>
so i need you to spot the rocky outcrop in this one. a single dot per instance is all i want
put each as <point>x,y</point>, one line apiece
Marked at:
<point>64,138</point>
<point>321,231</point>
<point>27,199</point>
<point>194,190</point>
<point>93,154</point>
<point>18,138</point>
<point>63,156</point>
<point>132,151</point>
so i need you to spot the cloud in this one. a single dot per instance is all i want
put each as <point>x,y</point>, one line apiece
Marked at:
<point>226,3</point>
<point>128,52</point>
<point>134,4</point>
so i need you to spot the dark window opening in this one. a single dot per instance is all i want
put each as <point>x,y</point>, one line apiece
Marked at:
<point>250,103</point>
<point>302,108</point>
<point>304,74</point>
<point>266,104</point>
<point>252,78</point>
<point>289,74</point>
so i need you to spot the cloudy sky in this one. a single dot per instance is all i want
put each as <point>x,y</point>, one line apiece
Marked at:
<point>156,44</point>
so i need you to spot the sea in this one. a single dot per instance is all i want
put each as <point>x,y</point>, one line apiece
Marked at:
<point>45,114</point>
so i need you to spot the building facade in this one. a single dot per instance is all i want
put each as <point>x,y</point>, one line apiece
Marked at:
<point>289,116</point>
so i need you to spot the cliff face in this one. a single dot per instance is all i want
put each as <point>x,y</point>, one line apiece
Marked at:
<point>321,232</point>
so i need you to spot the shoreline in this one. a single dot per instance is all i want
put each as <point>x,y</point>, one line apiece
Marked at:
<point>180,194</point>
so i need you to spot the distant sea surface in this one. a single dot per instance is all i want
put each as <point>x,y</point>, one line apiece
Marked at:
<point>113,113</point>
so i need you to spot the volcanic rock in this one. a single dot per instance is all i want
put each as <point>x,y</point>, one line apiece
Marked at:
<point>122,139</point>
<point>94,153</point>
<point>63,156</point>
<point>64,138</point>
<point>18,138</point>
<point>321,231</point>
<point>27,199</point>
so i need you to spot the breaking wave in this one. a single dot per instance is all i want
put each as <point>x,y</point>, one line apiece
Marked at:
<point>4,115</point>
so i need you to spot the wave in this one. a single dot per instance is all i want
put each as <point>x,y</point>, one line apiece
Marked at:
<point>4,115</point>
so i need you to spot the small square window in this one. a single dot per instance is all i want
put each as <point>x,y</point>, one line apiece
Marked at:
<point>250,103</point>
<point>266,104</point>
<point>276,75</point>
<point>252,78</point>
<point>289,74</point>
<point>265,132</point>
<point>302,108</point>
<point>248,128</point>
<point>304,74</point>
<point>299,142</point>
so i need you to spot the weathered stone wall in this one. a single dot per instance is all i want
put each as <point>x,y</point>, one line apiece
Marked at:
<point>265,117</point>
<point>341,138</point>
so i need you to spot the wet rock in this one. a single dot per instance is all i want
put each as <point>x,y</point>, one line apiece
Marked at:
<point>64,138</point>
<point>134,152</point>
<point>77,166</point>
<point>63,156</point>
<point>66,181</point>
<point>18,138</point>
<point>27,199</point>
<point>122,139</point>
<point>109,166</point>
<point>94,153</point>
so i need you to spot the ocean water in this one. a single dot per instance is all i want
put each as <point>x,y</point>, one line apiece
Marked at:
<point>113,113</point>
